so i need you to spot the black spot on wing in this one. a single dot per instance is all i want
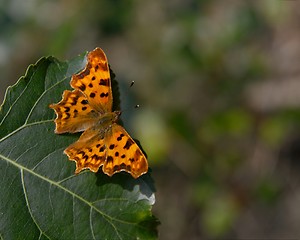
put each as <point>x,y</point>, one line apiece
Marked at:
<point>123,166</point>
<point>120,137</point>
<point>128,144</point>
<point>82,87</point>
<point>104,82</point>
<point>116,167</point>
<point>67,115</point>
<point>74,100</point>
<point>102,95</point>
<point>111,146</point>
<point>102,149</point>
<point>85,72</point>
<point>84,102</point>
<point>110,158</point>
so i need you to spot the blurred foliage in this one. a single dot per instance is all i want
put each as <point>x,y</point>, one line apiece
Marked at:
<point>222,145</point>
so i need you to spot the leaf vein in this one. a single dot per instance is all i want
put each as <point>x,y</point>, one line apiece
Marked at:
<point>42,160</point>
<point>91,224</point>
<point>106,216</point>
<point>73,210</point>
<point>24,126</point>
<point>27,202</point>
<point>17,99</point>
<point>40,97</point>
<point>17,159</point>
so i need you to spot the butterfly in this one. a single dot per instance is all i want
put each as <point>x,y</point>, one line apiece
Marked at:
<point>88,108</point>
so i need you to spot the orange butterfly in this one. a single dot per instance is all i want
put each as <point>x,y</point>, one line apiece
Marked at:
<point>88,108</point>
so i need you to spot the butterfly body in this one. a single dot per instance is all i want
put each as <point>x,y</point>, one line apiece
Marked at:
<point>88,108</point>
<point>109,118</point>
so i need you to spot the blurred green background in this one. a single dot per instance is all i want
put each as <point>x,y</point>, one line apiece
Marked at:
<point>218,83</point>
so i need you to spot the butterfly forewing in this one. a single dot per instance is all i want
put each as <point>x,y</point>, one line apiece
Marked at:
<point>89,152</point>
<point>94,81</point>
<point>74,114</point>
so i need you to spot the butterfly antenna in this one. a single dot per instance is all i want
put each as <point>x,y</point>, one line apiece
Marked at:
<point>137,105</point>
<point>126,93</point>
<point>131,84</point>
<point>130,108</point>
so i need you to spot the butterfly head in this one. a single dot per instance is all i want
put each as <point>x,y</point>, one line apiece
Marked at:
<point>117,115</point>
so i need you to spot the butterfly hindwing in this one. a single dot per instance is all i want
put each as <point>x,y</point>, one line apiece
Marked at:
<point>123,154</point>
<point>89,151</point>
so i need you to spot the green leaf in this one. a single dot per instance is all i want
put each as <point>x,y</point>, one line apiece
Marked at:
<point>41,198</point>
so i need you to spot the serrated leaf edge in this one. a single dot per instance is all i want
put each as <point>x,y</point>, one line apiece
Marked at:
<point>20,79</point>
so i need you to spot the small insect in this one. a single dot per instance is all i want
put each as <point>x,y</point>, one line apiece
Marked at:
<point>88,108</point>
